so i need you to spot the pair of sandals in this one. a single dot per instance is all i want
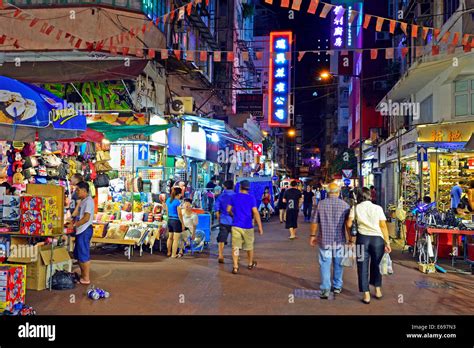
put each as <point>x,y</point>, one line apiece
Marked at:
<point>235,270</point>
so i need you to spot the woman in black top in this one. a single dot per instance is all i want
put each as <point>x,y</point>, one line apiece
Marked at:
<point>282,206</point>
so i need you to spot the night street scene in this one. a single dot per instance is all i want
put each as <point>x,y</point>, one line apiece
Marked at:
<point>216,161</point>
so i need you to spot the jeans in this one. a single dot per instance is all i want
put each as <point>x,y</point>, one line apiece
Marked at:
<point>326,257</point>
<point>307,209</point>
<point>372,249</point>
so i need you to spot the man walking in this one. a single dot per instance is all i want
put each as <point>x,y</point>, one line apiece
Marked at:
<point>242,208</point>
<point>308,203</point>
<point>328,231</point>
<point>292,199</point>
<point>225,220</point>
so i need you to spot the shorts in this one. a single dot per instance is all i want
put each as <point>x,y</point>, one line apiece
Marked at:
<point>175,226</point>
<point>224,231</point>
<point>291,218</point>
<point>243,238</point>
<point>82,247</point>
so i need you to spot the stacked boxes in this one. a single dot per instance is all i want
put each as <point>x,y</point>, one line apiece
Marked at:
<point>12,286</point>
<point>38,215</point>
<point>11,210</point>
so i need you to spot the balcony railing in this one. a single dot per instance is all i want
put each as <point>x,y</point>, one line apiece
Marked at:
<point>132,5</point>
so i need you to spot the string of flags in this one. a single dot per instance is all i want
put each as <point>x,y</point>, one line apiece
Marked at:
<point>121,44</point>
<point>416,31</point>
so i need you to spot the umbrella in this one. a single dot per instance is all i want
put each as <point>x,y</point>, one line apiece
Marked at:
<point>28,112</point>
<point>89,135</point>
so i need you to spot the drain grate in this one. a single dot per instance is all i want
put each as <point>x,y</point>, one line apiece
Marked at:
<point>309,294</point>
<point>424,284</point>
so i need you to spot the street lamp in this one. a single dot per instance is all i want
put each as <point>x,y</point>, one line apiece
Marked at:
<point>326,75</point>
<point>291,133</point>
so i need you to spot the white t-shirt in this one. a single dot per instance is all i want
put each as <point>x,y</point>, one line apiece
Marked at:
<point>87,206</point>
<point>368,218</point>
<point>190,220</point>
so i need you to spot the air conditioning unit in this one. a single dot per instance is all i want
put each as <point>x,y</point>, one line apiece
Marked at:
<point>381,36</point>
<point>380,85</point>
<point>181,105</point>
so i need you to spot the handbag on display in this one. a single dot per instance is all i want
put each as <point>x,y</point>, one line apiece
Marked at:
<point>63,170</point>
<point>29,172</point>
<point>30,162</point>
<point>102,180</point>
<point>103,166</point>
<point>90,173</point>
<point>53,172</point>
<point>103,156</point>
<point>52,161</point>
<point>29,149</point>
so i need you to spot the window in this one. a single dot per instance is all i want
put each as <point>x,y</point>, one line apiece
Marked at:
<point>426,111</point>
<point>464,98</point>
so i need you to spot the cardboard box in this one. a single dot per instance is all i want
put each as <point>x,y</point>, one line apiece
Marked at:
<point>38,270</point>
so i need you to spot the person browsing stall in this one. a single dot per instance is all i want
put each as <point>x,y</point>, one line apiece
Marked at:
<point>190,221</point>
<point>84,231</point>
<point>175,222</point>
<point>225,220</point>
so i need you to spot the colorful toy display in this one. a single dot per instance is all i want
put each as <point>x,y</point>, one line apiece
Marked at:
<point>12,286</point>
<point>38,215</point>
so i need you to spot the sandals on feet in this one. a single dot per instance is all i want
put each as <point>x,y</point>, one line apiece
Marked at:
<point>235,270</point>
<point>221,260</point>
<point>253,265</point>
<point>83,282</point>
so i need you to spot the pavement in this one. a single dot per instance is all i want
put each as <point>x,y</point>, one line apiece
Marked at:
<point>285,282</point>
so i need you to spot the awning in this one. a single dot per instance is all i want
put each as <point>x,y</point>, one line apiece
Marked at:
<point>113,133</point>
<point>215,126</point>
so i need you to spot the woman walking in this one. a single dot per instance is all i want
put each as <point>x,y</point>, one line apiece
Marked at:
<point>371,243</point>
<point>282,206</point>
<point>175,221</point>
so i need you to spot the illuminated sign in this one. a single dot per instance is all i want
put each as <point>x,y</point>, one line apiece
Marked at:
<point>349,31</point>
<point>279,86</point>
<point>338,27</point>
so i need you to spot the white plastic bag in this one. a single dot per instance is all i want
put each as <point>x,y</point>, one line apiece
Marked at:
<point>348,260</point>
<point>386,265</point>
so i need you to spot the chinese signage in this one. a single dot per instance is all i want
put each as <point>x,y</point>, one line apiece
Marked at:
<point>460,132</point>
<point>338,31</point>
<point>279,76</point>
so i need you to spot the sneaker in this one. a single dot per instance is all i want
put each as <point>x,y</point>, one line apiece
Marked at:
<point>324,294</point>
<point>337,290</point>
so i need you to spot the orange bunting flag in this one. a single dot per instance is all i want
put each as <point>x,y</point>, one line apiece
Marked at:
<point>190,56</point>
<point>217,56</point>
<point>465,39</point>
<point>403,26</point>
<point>436,33</point>
<point>325,10</point>
<point>269,2</point>
<point>245,56</point>
<point>2,6</point>
<point>259,55</point>
<point>301,55</point>
<point>157,21</point>
<point>313,6</point>
<point>151,53</point>
<point>2,39</point>
<point>392,27</point>
<point>467,48</point>
<point>378,25</point>
<point>434,50</point>
<point>285,3</point>
<point>165,16</point>
<point>189,8</point>
<point>353,16</point>
<point>389,53</point>
<point>446,37</point>
<point>125,50</point>
<point>455,38</point>
<point>414,30</point>
<point>203,56</point>
<point>230,56</point>
<point>177,53</point>
<point>404,51</point>
<point>425,32</point>
<point>139,52</point>
<point>58,35</point>
<point>164,54</point>
<point>296,5</point>
<point>34,22</point>
<point>49,30</point>
<point>43,28</point>
<point>373,53</point>
<point>367,21</point>
<point>451,49</point>
<point>113,50</point>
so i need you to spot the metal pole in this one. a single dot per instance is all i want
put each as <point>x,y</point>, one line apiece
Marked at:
<point>361,179</point>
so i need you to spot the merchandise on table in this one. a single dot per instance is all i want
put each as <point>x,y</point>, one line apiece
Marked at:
<point>12,285</point>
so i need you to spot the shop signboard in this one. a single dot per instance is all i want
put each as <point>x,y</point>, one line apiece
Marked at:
<point>279,88</point>
<point>449,132</point>
<point>194,143</point>
<point>174,141</point>
<point>258,149</point>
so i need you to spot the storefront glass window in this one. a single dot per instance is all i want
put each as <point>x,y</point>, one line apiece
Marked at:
<point>461,86</point>
<point>461,105</point>
<point>464,97</point>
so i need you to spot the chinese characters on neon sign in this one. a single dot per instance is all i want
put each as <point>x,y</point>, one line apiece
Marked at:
<point>279,87</point>
<point>338,26</point>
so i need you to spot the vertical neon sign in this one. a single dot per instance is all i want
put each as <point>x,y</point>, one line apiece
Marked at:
<point>338,27</point>
<point>279,86</point>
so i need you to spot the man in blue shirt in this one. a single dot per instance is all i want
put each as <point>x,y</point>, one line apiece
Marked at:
<point>243,207</point>
<point>225,220</point>
<point>456,193</point>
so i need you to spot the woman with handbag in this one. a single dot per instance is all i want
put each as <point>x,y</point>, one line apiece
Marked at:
<point>372,242</point>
